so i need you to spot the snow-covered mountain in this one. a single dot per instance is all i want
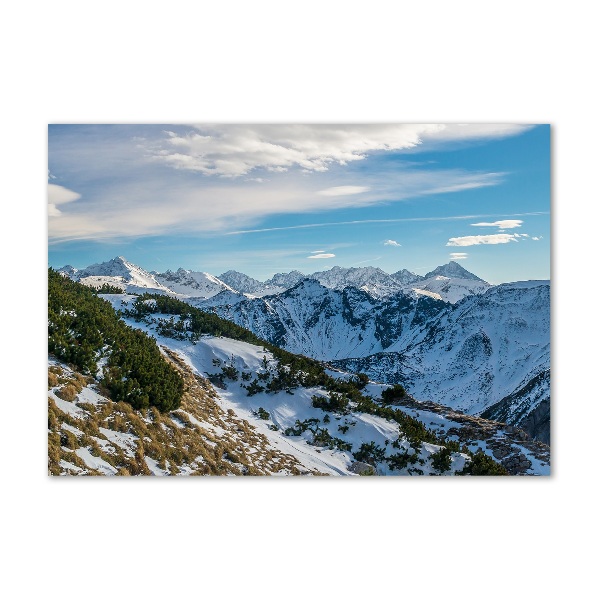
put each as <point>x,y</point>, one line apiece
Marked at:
<point>241,282</point>
<point>285,280</point>
<point>193,284</point>
<point>449,289</point>
<point>453,270</point>
<point>405,276</point>
<point>330,324</point>
<point>322,440</point>
<point>369,279</point>
<point>449,337</point>
<point>489,350</point>
<point>250,286</point>
<point>470,355</point>
<point>118,272</point>
<point>448,282</point>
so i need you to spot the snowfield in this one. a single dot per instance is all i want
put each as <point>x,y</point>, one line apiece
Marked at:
<point>448,337</point>
<point>283,410</point>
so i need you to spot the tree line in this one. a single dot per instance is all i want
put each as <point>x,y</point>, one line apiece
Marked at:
<point>83,329</point>
<point>296,370</point>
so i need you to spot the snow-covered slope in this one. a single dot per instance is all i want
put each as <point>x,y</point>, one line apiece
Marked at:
<point>405,276</point>
<point>285,280</point>
<point>469,355</point>
<point>293,426</point>
<point>88,434</point>
<point>332,324</point>
<point>448,282</point>
<point>453,270</point>
<point>449,289</point>
<point>193,284</point>
<point>118,272</point>
<point>487,349</point>
<point>224,298</point>
<point>450,337</point>
<point>369,279</point>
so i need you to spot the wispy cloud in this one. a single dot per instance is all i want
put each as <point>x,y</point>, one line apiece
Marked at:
<point>476,240</point>
<point>391,243</point>
<point>57,194</point>
<point>343,190</point>
<point>129,190</point>
<point>235,150</point>
<point>507,224</point>
<point>153,205</point>
<point>368,260</point>
<point>375,221</point>
<point>458,255</point>
<point>323,255</point>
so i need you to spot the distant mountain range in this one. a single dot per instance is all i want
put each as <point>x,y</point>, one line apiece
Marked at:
<point>448,336</point>
<point>449,282</point>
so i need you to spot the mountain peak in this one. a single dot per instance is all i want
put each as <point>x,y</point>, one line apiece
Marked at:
<point>453,269</point>
<point>286,280</point>
<point>241,282</point>
<point>405,276</point>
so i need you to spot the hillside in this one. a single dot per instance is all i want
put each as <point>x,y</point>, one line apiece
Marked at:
<point>252,408</point>
<point>271,391</point>
<point>448,336</point>
<point>469,355</point>
<point>89,434</point>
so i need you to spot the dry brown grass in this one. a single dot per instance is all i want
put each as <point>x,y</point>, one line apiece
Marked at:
<point>67,392</point>
<point>52,380</point>
<point>172,446</point>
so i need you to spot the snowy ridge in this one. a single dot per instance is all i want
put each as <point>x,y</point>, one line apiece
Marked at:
<point>241,282</point>
<point>469,355</point>
<point>449,282</point>
<point>193,284</point>
<point>405,276</point>
<point>274,413</point>
<point>453,270</point>
<point>370,279</point>
<point>118,272</point>
<point>450,337</point>
<point>449,289</point>
<point>477,353</point>
<point>285,280</point>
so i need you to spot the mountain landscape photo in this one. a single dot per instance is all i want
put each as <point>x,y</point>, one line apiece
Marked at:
<point>317,300</point>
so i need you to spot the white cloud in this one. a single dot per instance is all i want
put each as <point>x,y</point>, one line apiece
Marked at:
<point>391,243</point>
<point>317,251</point>
<point>321,256</point>
<point>234,150</point>
<point>471,131</point>
<point>508,224</point>
<point>57,194</point>
<point>125,195</point>
<point>343,190</point>
<point>458,255</point>
<point>153,205</point>
<point>537,238</point>
<point>476,240</point>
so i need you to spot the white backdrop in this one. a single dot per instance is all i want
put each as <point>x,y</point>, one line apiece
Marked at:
<point>303,62</point>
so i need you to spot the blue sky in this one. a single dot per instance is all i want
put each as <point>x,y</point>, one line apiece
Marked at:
<point>269,198</point>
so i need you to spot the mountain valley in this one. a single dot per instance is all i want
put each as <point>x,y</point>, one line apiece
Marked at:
<point>461,348</point>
